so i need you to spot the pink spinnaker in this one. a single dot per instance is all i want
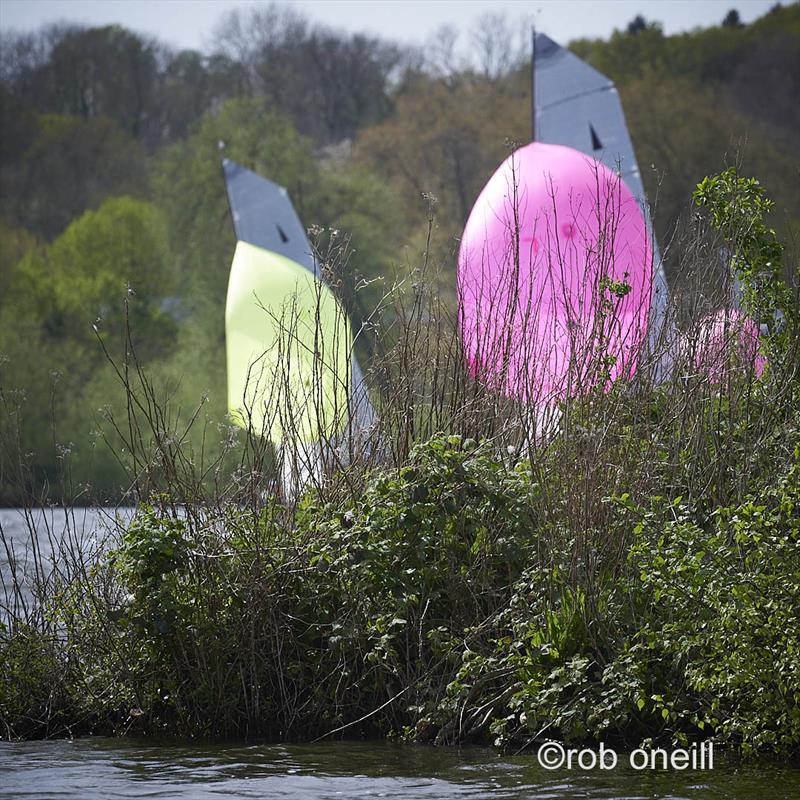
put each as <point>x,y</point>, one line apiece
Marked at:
<point>724,339</point>
<point>554,276</point>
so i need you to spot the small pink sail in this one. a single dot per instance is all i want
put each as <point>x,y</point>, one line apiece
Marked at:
<point>724,340</point>
<point>554,276</point>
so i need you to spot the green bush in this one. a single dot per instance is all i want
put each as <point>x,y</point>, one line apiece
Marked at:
<point>722,599</point>
<point>32,692</point>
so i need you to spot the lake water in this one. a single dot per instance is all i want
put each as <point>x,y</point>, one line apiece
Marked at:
<point>81,530</point>
<point>102,769</point>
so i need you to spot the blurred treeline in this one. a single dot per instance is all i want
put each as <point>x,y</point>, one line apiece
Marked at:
<point>111,188</point>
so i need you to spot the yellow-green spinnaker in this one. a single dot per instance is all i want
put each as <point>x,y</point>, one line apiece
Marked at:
<point>288,348</point>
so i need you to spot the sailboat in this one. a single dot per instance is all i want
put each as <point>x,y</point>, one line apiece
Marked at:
<point>293,377</point>
<point>561,286</point>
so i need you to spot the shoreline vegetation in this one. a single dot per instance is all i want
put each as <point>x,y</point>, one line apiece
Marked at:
<point>630,575</point>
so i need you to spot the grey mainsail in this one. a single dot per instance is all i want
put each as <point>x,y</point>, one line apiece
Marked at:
<point>263,215</point>
<point>577,106</point>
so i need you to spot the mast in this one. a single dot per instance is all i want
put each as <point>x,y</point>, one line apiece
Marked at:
<point>533,83</point>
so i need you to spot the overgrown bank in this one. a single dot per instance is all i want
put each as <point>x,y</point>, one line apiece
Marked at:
<point>448,604</point>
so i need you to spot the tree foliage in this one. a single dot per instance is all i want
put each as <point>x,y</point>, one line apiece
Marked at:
<point>56,296</point>
<point>70,165</point>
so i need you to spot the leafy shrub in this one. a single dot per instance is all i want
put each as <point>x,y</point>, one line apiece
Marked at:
<point>32,693</point>
<point>635,576</point>
<point>724,606</point>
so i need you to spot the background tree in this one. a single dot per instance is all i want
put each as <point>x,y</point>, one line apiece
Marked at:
<point>732,19</point>
<point>327,83</point>
<point>54,296</point>
<point>637,25</point>
<point>71,164</point>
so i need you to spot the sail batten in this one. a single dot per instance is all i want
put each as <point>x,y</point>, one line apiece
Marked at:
<point>567,99</point>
